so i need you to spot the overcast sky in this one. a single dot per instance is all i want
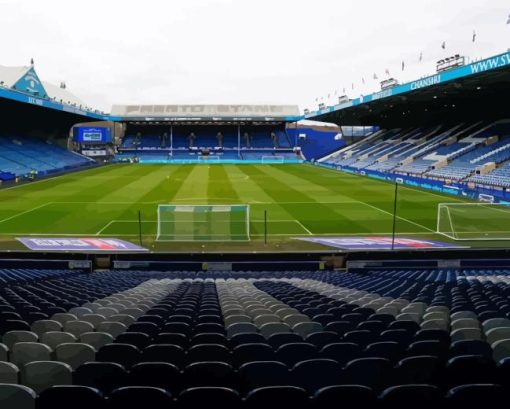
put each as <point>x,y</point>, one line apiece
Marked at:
<point>243,51</point>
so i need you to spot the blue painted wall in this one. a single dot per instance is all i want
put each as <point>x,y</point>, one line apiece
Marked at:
<point>317,143</point>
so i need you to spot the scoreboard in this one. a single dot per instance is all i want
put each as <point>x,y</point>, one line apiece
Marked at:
<point>97,135</point>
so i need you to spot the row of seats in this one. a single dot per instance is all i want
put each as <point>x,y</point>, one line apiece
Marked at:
<point>404,396</point>
<point>305,330</point>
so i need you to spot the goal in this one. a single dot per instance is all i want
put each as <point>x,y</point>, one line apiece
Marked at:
<point>178,222</point>
<point>209,158</point>
<point>272,159</point>
<point>474,221</point>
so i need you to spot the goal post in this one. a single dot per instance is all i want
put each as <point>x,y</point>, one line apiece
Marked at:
<point>474,221</point>
<point>272,159</point>
<point>209,158</point>
<point>178,222</point>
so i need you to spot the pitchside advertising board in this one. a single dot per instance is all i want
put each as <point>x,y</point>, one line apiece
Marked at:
<point>92,135</point>
<point>378,243</point>
<point>79,244</point>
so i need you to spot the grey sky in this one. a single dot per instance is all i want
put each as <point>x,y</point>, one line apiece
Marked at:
<point>243,51</point>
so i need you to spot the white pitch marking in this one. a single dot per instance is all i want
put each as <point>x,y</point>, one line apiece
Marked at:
<point>25,212</point>
<point>302,225</point>
<point>398,217</point>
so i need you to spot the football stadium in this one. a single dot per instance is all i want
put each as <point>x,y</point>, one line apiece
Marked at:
<point>209,243</point>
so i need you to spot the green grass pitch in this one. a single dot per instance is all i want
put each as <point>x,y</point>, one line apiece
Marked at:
<point>300,200</point>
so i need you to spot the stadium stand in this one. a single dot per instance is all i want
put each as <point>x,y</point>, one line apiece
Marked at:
<point>311,338</point>
<point>261,143</point>
<point>19,156</point>
<point>448,153</point>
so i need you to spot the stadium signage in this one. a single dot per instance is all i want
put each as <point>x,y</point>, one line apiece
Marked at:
<point>488,64</point>
<point>382,94</point>
<point>35,101</point>
<point>426,82</point>
<point>79,244</point>
<point>189,112</point>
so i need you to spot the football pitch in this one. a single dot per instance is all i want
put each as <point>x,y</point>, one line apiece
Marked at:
<point>299,200</point>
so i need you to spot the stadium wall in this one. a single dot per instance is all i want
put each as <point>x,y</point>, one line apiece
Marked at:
<point>317,143</point>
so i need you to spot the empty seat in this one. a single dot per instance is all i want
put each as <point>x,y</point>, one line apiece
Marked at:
<point>314,374</point>
<point>209,338</point>
<point>42,326</point>
<point>25,352</point>
<point>424,369</point>
<point>113,328</point>
<point>75,354</point>
<point>148,328</point>
<point>271,396</point>
<point>279,339</point>
<point>411,396</point>
<point>105,376</point>
<point>17,396</point>
<point>435,348</point>
<point>173,354</point>
<point>348,396</point>
<point>78,327</point>
<point>209,374</point>
<point>468,369</point>
<point>470,347</point>
<point>306,328</point>
<point>501,349</point>
<point>388,349</point>
<point>140,397</point>
<point>342,352</point>
<point>9,373</point>
<point>70,396</point>
<point>124,354</point>
<point>321,338</point>
<point>193,398</point>
<point>371,372</point>
<point>13,337</point>
<point>171,338</point>
<point>254,375</point>
<point>469,396</point>
<point>96,339</point>
<point>340,327</point>
<point>274,328</point>
<point>157,374</point>
<point>253,352</point>
<point>497,334</point>
<point>290,354</point>
<point>401,336</point>
<point>41,375</point>
<point>63,317</point>
<point>55,338</point>
<point>4,352</point>
<point>209,352</point>
<point>360,337</point>
<point>138,339</point>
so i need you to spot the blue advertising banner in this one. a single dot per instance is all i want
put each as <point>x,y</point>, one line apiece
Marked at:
<point>79,244</point>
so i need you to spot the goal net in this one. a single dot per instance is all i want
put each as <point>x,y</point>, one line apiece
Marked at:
<point>209,158</point>
<point>474,221</point>
<point>203,223</point>
<point>272,159</point>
